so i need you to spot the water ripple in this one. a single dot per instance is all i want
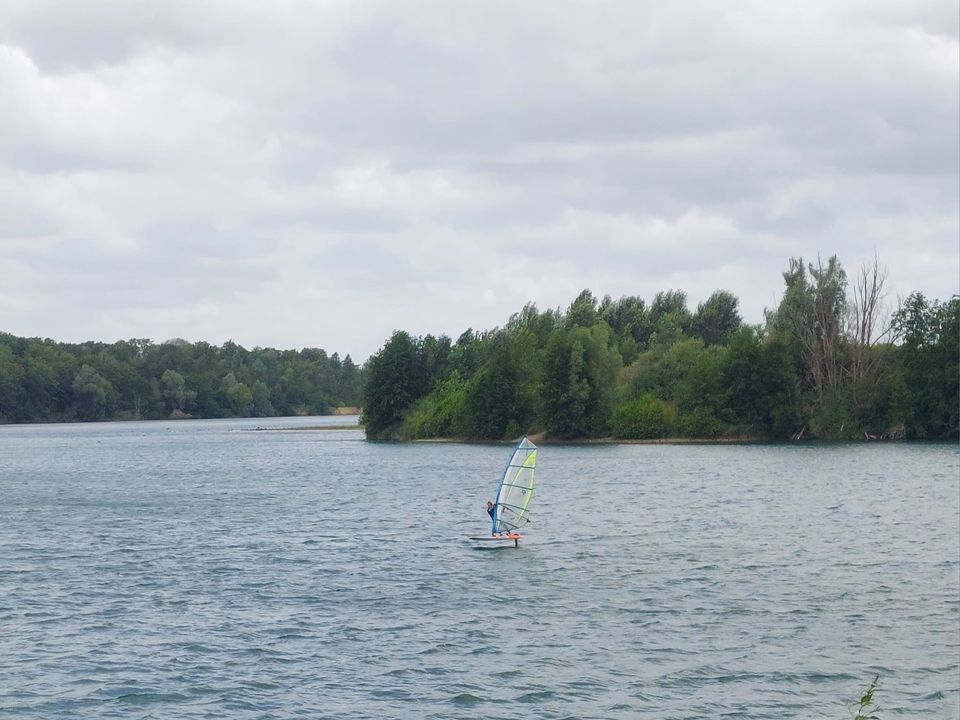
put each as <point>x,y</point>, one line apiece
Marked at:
<point>198,571</point>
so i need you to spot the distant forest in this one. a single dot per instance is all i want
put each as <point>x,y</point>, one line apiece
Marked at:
<point>829,362</point>
<point>47,381</point>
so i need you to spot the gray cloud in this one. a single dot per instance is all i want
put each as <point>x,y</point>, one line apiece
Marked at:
<point>321,174</point>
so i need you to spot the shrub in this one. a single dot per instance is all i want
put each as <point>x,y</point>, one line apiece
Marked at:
<point>700,423</point>
<point>646,417</point>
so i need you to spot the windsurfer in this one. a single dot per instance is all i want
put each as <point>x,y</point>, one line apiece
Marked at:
<point>492,511</point>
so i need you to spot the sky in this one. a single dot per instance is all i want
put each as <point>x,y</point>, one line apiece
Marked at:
<point>320,174</point>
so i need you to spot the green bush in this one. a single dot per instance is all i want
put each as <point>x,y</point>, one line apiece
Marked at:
<point>438,415</point>
<point>646,417</point>
<point>700,423</point>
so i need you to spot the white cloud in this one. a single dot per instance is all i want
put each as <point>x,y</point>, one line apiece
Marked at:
<point>323,173</point>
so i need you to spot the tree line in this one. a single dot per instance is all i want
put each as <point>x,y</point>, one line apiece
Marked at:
<point>828,363</point>
<point>46,381</point>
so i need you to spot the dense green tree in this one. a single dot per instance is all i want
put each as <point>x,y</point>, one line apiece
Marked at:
<point>700,395</point>
<point>11,378</point>
<point>579,375</point>
<point>435,354</point>
<point>120,365</point>
<point>926,376</point>
<point>394,379</point>
<point>539,324</point>
<point>41,380</point>
<point>174,390</point>
<point>669,316</point>
<point>40,384</point>
<point>583,311</point>
<point>630,324</point>
<point>499,399</point>
<point>716,318</point>
<point>761,386</point>
<point>240,398</point>
<point>698,376</point>
<point>566,389</point>
<point>92,393</point>
<point>468,353</point>
<point>871,392</point>
<point>260,400</point>
<point>347,384</point>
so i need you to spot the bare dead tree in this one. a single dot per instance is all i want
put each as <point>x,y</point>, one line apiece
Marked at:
<point>869,324</point>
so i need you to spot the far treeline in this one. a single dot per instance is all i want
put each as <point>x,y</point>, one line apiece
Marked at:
<point>47,381</point>
<point>828,363</point>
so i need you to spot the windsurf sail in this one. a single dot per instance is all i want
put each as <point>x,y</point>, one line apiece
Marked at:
<point>516,488</point>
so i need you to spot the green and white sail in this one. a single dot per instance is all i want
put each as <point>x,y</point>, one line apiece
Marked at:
<point>512,506</point>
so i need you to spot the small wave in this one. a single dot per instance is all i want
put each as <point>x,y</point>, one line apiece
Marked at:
<point>392,694</point>
<point>412,672</point>
<point>466,699</point>
<point>198,648</point>
<point>148,698</point>
<point>536,696</point>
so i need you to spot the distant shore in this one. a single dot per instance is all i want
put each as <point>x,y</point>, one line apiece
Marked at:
<point>343,412</point>
<point>539,439</point>
<point>185,417</point>
<point>312,428</point>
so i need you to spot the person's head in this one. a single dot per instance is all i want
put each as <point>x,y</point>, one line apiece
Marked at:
<point>489,504</point>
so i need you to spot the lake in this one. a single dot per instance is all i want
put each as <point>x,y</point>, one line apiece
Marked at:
<point>204,569</point>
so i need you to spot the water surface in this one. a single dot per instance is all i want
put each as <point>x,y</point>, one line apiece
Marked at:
<point>204,570</point>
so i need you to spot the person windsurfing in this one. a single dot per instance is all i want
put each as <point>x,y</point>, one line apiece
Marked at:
<point>492,512</point>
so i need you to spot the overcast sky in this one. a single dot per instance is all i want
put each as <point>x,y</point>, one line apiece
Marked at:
<point>319,174</point>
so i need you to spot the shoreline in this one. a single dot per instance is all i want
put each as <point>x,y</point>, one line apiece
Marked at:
<point>312,428</point>
<point>540,440</point>
<point>188,418</point>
